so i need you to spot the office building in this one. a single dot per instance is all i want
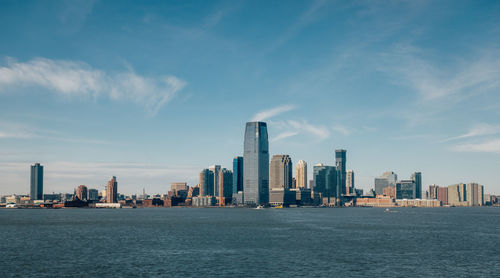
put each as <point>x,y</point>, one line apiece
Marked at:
<point>442,195</point>
<point>406,189</point>
<point>82,193</point>
<point>237,174</point>
<point>225,184</point>
<point>350,183</point>
<point>280,172</point>
<point>326,184</point>
<point>256,164</point>
<point>387,179</point>
<point>112,191</point>
<point>340,163</point>
<point>177,186</point>
<point>36,186</point>
<point>206,183</point>
<point>474,194</point>
<point>93,195</point>
<point>417,178</point>
<point>433,191</point>
<point>457,195</point>
<point>301,175</point>
<point>215,169</point>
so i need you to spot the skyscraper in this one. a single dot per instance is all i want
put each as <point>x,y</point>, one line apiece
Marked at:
<point>301,175</point>
<point>93,195</point>
<point>442,195</point>
<point>206,183</point>
<point>433,191</point>
<point>82,193</point>
<point>340,163</point>
<point>406,189</point>
<point>256,164</point>
<point>36,187</point>
<point>225,184</point>
<point>457,194</point>
<point>350,182</point>
<point>215,169</point>
<point>326,183</point>
<point>387,179</point>
<point>112,191</point>
<point>237,174</point>
<point>474,194</point>
<point>417,178</point>
<point>280,172</point>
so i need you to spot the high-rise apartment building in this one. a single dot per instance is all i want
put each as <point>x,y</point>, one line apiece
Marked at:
<point>36,185</point>
<point>301,175</point>
<point>417,178</point>
<point>350,182</point>
<point>457,195</point>
<point>225,184</point>
<point>93,195</point>
<point>112,191</point>
<point>215,169</point>
<point>433,191</point>
<point>387,179</point>
<point>340,163</point>
<point>474,194</point>
<point>280,172</point>
<point>237,174</point>
<point>256,164</point>
<point>82,193</point>
<point>442,195</point>
<point>326,183</point>
<point>206,183</point>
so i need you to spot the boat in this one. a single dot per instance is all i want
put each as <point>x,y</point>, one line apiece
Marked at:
<point>259,207</point>
<point>279,207</point>
<point>11,205</point>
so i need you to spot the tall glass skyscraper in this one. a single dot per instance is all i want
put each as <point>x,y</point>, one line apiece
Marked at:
<point>256,164</point>
<point>340,161</point>
<point>206,183</point>
<point>36,186</point>
<point>237,174</point>
<point>326,181</point>
<point>417,178</point>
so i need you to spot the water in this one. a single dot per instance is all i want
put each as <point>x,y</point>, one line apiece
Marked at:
<point>344,242</point>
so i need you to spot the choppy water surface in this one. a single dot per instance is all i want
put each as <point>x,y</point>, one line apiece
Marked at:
<point>360,242</point>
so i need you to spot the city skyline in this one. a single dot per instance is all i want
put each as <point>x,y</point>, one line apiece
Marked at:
<point>91,93</point>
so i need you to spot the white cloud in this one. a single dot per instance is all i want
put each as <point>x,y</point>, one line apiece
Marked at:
<point>266,114</point>
<point>478,130</point>
<point>303,126</point>
<point>284,135</point>
<point>491,146</point>
<point>342,130</point>
<point>72,78</point>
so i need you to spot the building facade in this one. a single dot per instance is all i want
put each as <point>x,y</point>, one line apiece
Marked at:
<point>82,193</point>
<point>387,179</point>
<point>36,185</point>
<point>215,169</point>
<point>225,184</point>
<point>206,183</point>
<point>340,163</point>
<point>474,194</point>
<point>417,178</point>
<point>112,191</point>
<point>256,164</point>
<point>326,183</point>
<point>237,174</point>
<point>280,172</point>
<point>350,183</point>
<point>301,175</point>
<point>456,195</point>
<point>406,189</point>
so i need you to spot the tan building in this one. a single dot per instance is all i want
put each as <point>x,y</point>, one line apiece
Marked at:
<point>349,184</point>
<point>456,195</point>
<point>433,191</point>
<point>474,194</point>
<point>280,172</point>
<point>112,191</point>
<point>379,201</point>
<point>426,203</point>
<point>301,175</point>
<point>390,191</point>
<point>82,192</point>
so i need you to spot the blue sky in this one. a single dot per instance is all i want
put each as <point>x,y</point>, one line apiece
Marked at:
<point>154,91</point>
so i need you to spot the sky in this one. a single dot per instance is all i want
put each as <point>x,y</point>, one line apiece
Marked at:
<point>154,91</point>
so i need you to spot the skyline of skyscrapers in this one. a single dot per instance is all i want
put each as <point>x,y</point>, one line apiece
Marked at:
<point>36,182</point>
<point>256,164</point>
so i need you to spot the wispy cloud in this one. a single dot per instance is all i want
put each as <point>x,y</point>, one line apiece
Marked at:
<point>266,114</point>
<point>490,146</point>
<point>284,135</point>
<point>70,78</point>
<point>478,130</point>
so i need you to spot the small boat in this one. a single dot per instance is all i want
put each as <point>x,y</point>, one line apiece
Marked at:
<point>259,207</point>
<point>279,207</point>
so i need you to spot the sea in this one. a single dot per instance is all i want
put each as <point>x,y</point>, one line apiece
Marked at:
<point>245,242</point>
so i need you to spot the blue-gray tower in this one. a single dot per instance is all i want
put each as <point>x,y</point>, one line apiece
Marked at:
<point>36,187</point>
<point>256,164</point>
<point>237,174</point>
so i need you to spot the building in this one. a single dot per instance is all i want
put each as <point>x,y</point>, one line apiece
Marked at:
<point>215,169</point>
<point>474,194</point>
<point>256,164</point>
<point>225,186</point>
<point>418,203</point>
<point>456,195</point>
<point>280,172</point>
<point>433,191</point>
<point>178,186</point>
<point>237,174</point>
<point>36,186</point>
<point>204,201</point>
<point>350,183</point>
<point>93,195</point>
<point>390,191</point>
<point>282,196</point>
<point>301,175</point>
<point>387,179</point>
<point>206,183</point>
<point>417,178</point>
<point>340,163</point>
<point>406,189</point>
<point>112,191</point>
<point>379,201</point>
<point>442,195</point>
<point>326,184</point>
<point>82,193</point>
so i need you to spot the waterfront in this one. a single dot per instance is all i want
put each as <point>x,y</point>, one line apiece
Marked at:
<point>450,242</point>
